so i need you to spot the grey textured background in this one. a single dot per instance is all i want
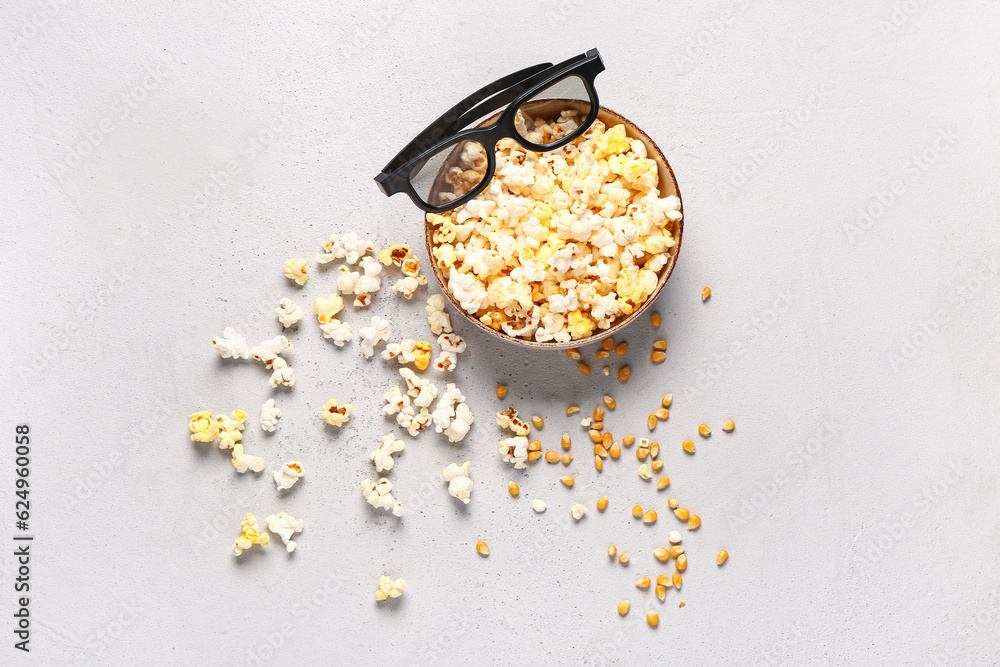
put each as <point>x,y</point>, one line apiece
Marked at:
<point>857,497</point>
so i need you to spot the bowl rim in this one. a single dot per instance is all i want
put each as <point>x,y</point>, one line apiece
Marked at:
<point>664,169</point>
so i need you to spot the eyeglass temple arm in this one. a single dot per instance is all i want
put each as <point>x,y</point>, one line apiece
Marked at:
<point>455,115</point>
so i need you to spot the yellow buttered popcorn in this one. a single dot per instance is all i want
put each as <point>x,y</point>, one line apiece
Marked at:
<point>327,307</point>
<point>252,535</point>
<point>336,415</point>
<point>580,324</point>
<point>295,269</point>
<point>228,429</point>
<point>612,142</point>
<point>387,588</point>
<point>203,427</point>
<point>421,354</point>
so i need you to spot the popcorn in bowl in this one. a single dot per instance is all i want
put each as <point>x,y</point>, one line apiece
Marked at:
<point>562,244</point>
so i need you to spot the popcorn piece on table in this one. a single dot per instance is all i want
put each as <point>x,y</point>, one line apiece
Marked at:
<point>382,457</point>
<point>282,373</point>
<point>336,415</point>
<point>515,450</point>
<point>230,429</point>
<point>269,415</point>
<point>206,428</point>
<point>538,505</point>
<point>387,588</point>
<point>203,427</point>
<point>295,269</point>
<point>349,247</point>
<point>397,403</point>
<point>284,526</point>
<point>379,495</point>
<point>287,475</point>
<point>368,282</point>
<point>452,415</point>
<point>437,317</point>
<point>407,285</point>
<point>459,484</point>
<point>339,332</point>
<point>421,389</point>
<point>401,255</point>
<point>288,313</point>
<point>251,535</point>
<point>269,350</point>
<point>372,335</point>
<point>326,307</point>
<point>578,510</point>
<point>231,344</point>
<point>409,351</point>
<point>451,345</point>
<point>508,419</point>
<point>243,462</point>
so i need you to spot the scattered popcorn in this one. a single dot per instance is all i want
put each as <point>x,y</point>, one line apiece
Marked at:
<point>284,526</point>
<point>675,536</point>
<point>459,484</point>
<point>452,415</point>
<point>231,345</point>
<point>538,505</point>
<point>562,243</point>
<point>421,389</point>
<point>508,419</point>
<point>203,427</point>
<point>372,335</point>
<point>295,269</point>
<point>269,350</point>
<point>379,496</point>
<point>382,456</point>
<point>397,403</point>
<point>282,374</point>
<point>339,332</point>
<point>349,248</point>
<point>451,345</point>
<point>336,415</point>
<point>206,428</point>
<point>288,313</point>
<point>586,422</point>
<point>230,429</point>
<point>326,307</point>
<point>286,476</point>
<point>515,450</point>
<point>243,462</point>
<point>401,255</point>
<point>408,285</point>
<point>368,282</point>
<point>578,511</point>
<point>409,351</point>
<point>387,588</point>
<point>437,317</point>
<point>645,472</point>
<point>396,254</point>
<point>251,535</point>
<point>269,415</point>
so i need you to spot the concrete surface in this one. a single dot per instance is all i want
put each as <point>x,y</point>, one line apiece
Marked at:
<point>839,171</point>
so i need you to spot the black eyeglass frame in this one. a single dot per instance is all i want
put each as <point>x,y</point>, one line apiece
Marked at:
<point>511,91</point>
